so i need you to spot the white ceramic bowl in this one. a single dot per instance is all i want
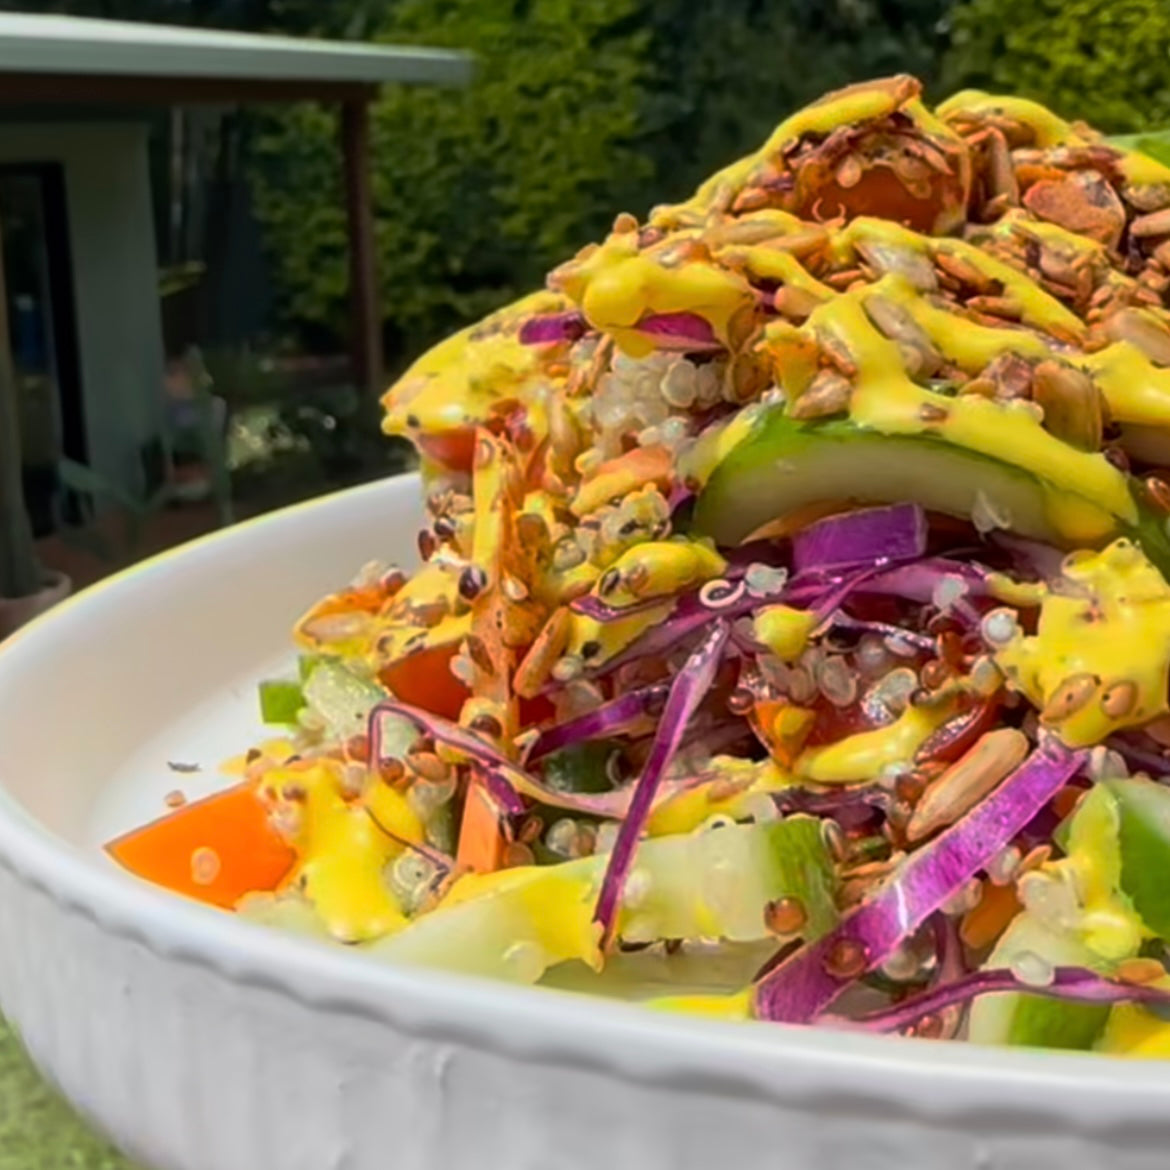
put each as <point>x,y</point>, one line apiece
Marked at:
<point>200,1043</point>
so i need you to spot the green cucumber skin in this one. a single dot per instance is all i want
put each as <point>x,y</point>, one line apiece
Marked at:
<point>1150,533</point>
<point>1049,1023</point>
<point>1144,838</point>
<point>580,767</point>
<point>774,470</point>
<point>1017,1020</point>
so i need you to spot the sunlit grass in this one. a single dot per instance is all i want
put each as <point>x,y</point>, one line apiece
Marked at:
<point>38,1131</point>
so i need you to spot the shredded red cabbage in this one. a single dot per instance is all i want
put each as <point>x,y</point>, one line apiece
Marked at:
<point>688,690</point>
<point>1041,560</point>
<point>803,986</point>
<point>609,719</point>
<point>919,581</point>
<point>1069,983</point>
<point>678,498</point>
<point>686,332</point>
<point>728,599</point>
<point>553,327</point>
<point>949,967</point>
<point>852,540</point>
<point>503,771</point>
<point>592,606</point>
<point>1139,751</point>
<point>911,639</point>
<point>848,806</point>
<point>509,800</point>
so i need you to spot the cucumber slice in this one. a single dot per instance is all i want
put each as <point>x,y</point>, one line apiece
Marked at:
<point>1144,835</point>
<point>518,923</point>
<point>581,767</point>
<point>1032,1021</point>
<point>344,700</point>
<point>784,464</point>
<point>696,970</point>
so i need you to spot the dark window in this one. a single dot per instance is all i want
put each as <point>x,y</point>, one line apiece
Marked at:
<point>38,278</point>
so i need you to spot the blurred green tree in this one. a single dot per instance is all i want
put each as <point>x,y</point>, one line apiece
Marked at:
<point>477,192</point>
<point>1106,62</point>
<point>725,74</point>
<point>582,108</point>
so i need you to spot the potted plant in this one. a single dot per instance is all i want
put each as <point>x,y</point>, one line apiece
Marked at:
<point>26,588</point>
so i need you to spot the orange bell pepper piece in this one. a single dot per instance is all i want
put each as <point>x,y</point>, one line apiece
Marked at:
<point>425,680</point>
<point>215,850</point>
<point>453,450</point>
<point>481,843</point>
<point>997,906</point>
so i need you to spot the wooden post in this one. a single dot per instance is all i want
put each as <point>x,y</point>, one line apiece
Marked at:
<point>366,317</point>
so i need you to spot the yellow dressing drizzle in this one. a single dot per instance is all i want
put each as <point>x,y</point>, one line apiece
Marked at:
<point>616,285</point>
<point>402,641</point>
<point>729,792</point>
<point>612,637</point>
<point>619,477</point>
<point>861,103</point>
<point>1039,309</point>
<point>887,400</point>
<point>490,490</point>
<point>698,462</point>
<point>1136,390</point>
<point>837,109</point>
<point>1012,592</point>
<point>1136,1033</point>
<point>659,568</point>
<point>1049,130</point>
<point>969,344</point>
<point>272,751</point>
<point>1103,640</point>
<point>1142,170</point>
<point>784,629</point>
<point>864,756</point>
<point>455,384</point>
<point>342,853</point>
<point>734,1006</point>
<point>762,262</point>
<point>1018,222</point>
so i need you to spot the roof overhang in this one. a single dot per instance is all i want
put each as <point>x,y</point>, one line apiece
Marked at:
<point>56,59</point>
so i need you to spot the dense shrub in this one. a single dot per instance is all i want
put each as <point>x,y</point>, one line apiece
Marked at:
<point>1104,61</point>
<point>581,108</point>
<point>477,191</point>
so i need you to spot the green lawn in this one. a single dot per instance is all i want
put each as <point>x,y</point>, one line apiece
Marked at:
<point>38,1131</point>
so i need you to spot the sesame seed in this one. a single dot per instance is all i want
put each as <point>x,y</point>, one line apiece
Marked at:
<point>1032,969</point>
<point>205,866</point>
<point>1000,626</point>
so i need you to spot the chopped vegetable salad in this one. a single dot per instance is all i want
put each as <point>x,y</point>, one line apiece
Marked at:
<point>790,633</point>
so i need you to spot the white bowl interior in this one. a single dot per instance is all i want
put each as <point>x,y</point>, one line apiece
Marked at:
<point>172,690</point>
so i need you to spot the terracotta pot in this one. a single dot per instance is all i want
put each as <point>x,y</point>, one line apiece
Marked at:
<point>16,611</point>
